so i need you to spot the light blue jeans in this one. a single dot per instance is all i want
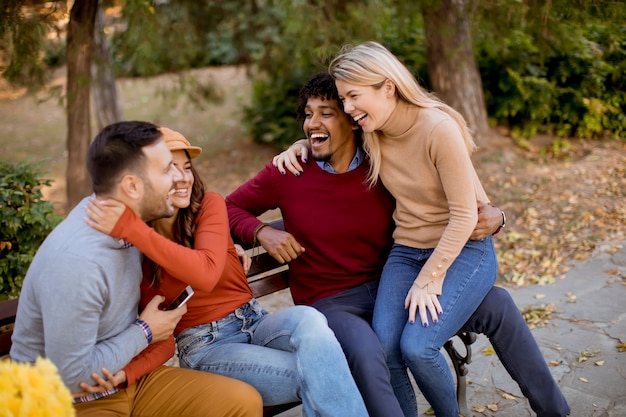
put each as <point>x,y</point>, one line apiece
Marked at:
<point>467,281</point>
<point>288,356</point>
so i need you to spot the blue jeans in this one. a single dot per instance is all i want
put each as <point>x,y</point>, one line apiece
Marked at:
<point>467,281</point>
<point>501,321</point>
<point>291,355</point>
<point>349,315</point>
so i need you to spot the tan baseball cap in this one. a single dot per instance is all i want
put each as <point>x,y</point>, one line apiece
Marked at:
<point>177,142</point>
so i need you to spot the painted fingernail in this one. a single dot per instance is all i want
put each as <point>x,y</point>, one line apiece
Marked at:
<point>435,321</point>
<point>298,174</point>
<point>426,324</point>
<point>282,172</point>
<point>412,321</point>
<point>275,165</point>
<point>304,159</point>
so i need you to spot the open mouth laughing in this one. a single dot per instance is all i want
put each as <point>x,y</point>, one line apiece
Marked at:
<point>317,139</point>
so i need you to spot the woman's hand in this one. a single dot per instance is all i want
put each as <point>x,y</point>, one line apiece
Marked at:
<point>102,215</point>
<point>289,159</point>
<point>419,299</point>
<point>246,261</point>
<point>107,383</point>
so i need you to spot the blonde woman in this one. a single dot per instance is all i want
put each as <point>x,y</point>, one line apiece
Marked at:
<point>420,149</point>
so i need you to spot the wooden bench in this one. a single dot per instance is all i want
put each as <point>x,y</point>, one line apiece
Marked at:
<point>266,276</point>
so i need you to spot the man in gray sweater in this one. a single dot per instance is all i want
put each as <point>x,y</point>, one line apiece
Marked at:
<point>79,302</point>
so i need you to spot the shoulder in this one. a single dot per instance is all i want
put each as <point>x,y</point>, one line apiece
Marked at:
<point>434,117</point>
<point>212,197</point>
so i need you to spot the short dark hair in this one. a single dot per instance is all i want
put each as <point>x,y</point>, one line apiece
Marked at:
<point>116,149</point>
<point>322,86</point>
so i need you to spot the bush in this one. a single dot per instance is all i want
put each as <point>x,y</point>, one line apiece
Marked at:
<point>25,221</point>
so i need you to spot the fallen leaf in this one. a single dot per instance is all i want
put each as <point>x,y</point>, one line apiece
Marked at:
<point>586,355</point>
<point>555,363</point>
<point>621,347</point>
<point>493,406</point>
<point>488,351</point>
<point>540,296</point>
<point>584,380</point>
<point>599,363</point>
<point>508,396</point>
<point>478,409</point>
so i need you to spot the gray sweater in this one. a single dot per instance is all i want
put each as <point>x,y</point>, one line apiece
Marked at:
<point>79,303</point>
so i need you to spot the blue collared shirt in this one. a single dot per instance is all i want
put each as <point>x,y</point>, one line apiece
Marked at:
<point>358,158</point>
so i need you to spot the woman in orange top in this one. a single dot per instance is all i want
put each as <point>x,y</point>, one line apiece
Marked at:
<point>287,356</point>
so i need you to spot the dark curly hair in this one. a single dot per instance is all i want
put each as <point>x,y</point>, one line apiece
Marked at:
<point>322,86</point>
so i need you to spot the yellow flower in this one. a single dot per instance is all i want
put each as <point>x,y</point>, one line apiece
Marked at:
<point>33,390</point>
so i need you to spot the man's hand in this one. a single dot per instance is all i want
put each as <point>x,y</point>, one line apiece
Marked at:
<point>162,323</point>
<point>489,220</point>
<point>282,246</point>
<point>102,384</point>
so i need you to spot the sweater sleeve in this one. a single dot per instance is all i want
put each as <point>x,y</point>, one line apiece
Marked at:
<point>457,176</point>
<point>149,359</point>
<point>201,266</point>
<point>251,199</point>
<point>73,308</point>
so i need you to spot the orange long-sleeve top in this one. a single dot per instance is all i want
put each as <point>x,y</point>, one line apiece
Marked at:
<point>211,267</point>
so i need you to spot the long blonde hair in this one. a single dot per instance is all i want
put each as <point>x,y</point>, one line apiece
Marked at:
<point>370,64</point>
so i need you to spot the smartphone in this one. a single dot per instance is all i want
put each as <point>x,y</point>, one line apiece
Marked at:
<point>181,299</point>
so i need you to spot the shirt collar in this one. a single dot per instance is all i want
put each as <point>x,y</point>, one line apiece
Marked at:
<point>358,158</point>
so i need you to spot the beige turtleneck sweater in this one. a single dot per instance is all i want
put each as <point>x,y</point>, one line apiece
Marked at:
<point>427,168</point>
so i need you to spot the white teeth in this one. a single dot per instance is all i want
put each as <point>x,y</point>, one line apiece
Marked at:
<point>359,117</point>
<point>319,136</point>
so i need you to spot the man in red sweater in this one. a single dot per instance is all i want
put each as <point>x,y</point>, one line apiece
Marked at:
<point>337,237</point>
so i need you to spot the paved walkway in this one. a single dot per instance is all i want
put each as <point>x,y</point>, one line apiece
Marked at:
<point>589,319</point>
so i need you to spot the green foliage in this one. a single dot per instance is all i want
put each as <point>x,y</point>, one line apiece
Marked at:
<point>302,41</point>
<point>563,74</point>
<point>24,36</point>
<point>25,221</point>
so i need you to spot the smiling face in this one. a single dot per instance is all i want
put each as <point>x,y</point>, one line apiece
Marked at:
<point>182,191</point>
<point>368,106</point>
<point>158,180</point>
<point>330,132</point>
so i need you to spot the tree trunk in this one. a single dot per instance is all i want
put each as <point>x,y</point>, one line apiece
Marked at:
<point>452,67</point>
<point>79,47</point>
<point>106,103</point>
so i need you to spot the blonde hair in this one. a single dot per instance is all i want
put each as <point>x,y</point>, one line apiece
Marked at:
<point>370,64</point>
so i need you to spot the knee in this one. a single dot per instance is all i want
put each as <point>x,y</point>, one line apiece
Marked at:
<point>310,316</point>
<point>414,352</point>
<point>311,323</point>
<point>497,303</point>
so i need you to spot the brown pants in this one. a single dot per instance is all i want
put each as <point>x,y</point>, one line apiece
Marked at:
<point>175,392</point>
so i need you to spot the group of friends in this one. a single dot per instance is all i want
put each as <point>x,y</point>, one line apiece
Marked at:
<point>388,235</point>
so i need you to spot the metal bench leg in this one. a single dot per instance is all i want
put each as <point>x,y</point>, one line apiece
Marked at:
<point>459,361</point>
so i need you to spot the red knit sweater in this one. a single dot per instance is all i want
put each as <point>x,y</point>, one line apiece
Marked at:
<point>212,267</point>
<point>344,226</point>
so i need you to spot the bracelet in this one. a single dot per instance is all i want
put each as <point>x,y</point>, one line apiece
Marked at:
<point>502,225</point>
<point>146,329</point>
<point>257,229</point>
